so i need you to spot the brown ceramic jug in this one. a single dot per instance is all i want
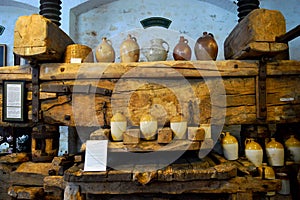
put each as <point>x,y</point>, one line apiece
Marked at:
<point>182,51</point>
<point>130,50</point>
<point>105,51</point>
<point>206,48</point>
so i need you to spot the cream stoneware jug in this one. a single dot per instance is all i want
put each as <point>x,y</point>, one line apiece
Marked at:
<point>118,124</point>
<point>230,146</point>
<point>130,50</point>
<point>148,126</point>
<point>293,146</point>
<point>105,51</point>
<point>178,124</point>
<point>254,152</point>
<point>275,153</point>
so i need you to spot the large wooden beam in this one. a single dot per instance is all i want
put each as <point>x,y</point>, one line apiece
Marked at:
<point>255,36</point>
<point>37,38</point>
<point>73,94</point>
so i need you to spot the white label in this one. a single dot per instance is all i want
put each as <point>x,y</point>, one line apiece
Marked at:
<point>287,99</point>
<point>95,155</point>
<point>75,60</point>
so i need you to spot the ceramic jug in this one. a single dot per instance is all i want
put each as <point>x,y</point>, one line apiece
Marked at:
<point>178,124</point>
<point>230,146</point>
<point>105,51</point>
<point>148,126</point>
<point>118,124</point>
<point>157,51</point>
<point>182,51</point>
<point>266,172</point>
<point>206,47</point>
<point>293,146</point>
<point>275,153</point>
<point>130,50</point>
<point>254,152</point>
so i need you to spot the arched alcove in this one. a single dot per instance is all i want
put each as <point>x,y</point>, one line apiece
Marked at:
<point>92,20</point>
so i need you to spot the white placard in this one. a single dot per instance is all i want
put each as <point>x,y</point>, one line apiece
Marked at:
<point>95,155</point>
<point>14,95</point>
<point>13,112</point>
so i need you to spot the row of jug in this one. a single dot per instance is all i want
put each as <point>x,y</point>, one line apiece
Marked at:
<point>254,151</point>
<point>205,48</point>
<point>148,126</point>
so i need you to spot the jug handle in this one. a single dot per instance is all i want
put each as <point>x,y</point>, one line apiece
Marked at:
<point>222,134</point>
<point>164,42</point>
<point>109,42</point>
<point>247,141</point>
<point>133,38</point>
<point>185,41</point>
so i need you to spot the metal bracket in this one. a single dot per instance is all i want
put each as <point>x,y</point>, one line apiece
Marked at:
<point>35,92</point>
<point>261,94</point>
<point>85,89</point>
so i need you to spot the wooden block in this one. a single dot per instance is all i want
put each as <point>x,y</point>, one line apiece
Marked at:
<point>36,37</point>
<point>100,134</point>
<point>20,192</point>
<point>54,181</point>
<point>196,134</point>
<point>14,158</point>
<point>131,136</point>
<point>255,35</point>
<point>165,135</point>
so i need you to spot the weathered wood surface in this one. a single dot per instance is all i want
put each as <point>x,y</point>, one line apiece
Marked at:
<point>69,92</point>
<point>20,192</point>
<point>30,174</point>
<point>36,37</point>
<point>234,185</point>
<point>184,169</point>
<point>255,36</point>
<point>149,146</point>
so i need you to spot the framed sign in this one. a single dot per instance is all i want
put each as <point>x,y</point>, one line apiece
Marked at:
<point>13,109</point>
<point>2,55</point>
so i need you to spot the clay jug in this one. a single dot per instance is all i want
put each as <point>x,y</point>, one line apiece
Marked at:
<point>206,48</point>
<point>266,172</point>
<point>148,126</point>
<point>275,153</point>
<point>178,124</point>
<point>254,152</point>
<point>118,124</point>
<point>182,51</point>
<point>105,51</point>
<point>157,51</point>
<point>130,50</point>
<point>230,146</point>
<point>293,146</point>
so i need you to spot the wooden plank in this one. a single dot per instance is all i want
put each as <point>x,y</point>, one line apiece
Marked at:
<point>283,67</point>
<point>149,146</point>
<point>234,185</point>
<point>67,71</point>
<point>37,38</point>
<point>259,26</point>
